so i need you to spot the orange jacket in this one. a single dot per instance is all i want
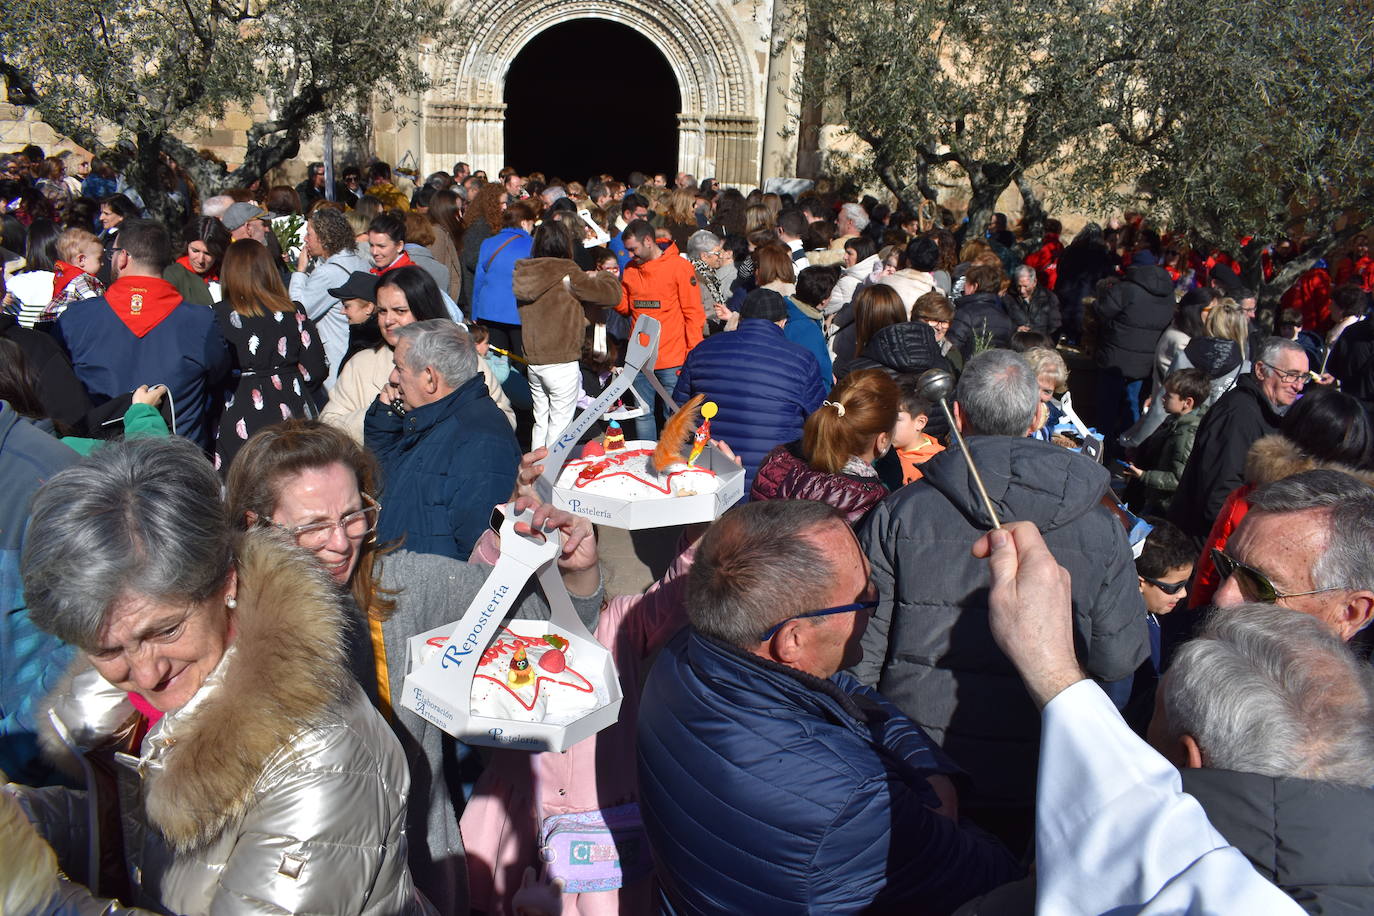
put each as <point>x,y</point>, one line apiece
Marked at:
<point>666,290</point>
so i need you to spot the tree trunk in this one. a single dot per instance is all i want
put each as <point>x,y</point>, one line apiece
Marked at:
<point>982,205</point>
<point>1032,211</point>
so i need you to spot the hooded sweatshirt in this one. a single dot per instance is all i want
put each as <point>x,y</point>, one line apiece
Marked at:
<point>141,333</point>
<point>550,294</point>
<point>928,647</point>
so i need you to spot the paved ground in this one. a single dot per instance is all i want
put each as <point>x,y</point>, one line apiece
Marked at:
<point>632,560</point>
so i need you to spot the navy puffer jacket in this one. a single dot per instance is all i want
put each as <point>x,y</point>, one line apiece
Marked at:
<point>767,790</point>
<point>444,465</point>
<point>765,386</point>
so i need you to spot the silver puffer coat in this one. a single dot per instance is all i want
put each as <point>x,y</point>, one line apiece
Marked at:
<point>277,789</point>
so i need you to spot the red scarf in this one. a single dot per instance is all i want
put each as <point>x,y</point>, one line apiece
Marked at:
<point>66,273</point>
<point>185,261</point>
<point>403,261</point>
<point>142,302</point>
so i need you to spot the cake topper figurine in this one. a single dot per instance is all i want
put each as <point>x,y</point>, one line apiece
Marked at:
<point>675,433</point>
<point>520,674</point>
<point>938,385</point>
<point>614,438</point>
<point>703,433</point>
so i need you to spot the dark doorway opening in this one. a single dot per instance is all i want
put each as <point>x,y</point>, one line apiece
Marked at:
<point>591,96</point>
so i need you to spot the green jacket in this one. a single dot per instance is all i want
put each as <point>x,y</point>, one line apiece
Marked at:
<point>1164,455</point>
<point>141,421</point>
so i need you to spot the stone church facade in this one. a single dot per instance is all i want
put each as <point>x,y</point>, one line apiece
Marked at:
<point>739,116</point>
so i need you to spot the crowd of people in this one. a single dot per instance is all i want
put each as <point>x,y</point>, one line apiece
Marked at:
<point>1084,632</point>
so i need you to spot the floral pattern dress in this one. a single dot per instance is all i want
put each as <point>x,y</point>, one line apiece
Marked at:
<point>279,361</point>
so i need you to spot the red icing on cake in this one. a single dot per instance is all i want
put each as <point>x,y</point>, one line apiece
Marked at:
<point>612,466</point>
<point>503,646</point>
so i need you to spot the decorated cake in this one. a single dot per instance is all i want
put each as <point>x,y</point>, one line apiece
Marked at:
<point>638,469</point>
<point>530,677</point>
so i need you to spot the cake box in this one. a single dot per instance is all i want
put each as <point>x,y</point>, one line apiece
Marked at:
<point>633,514</point>
<point>444,661</point>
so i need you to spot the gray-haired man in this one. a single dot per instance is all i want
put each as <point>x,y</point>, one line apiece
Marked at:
<point>1270,719</point>
<point>1306,544</point>
<point>929,649</point>
<point>447,453</point>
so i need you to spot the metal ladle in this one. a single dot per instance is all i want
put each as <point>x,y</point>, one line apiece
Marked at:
<point>938,385</point>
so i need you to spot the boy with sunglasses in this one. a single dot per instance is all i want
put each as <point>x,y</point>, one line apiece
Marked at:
<point>1164,569</point>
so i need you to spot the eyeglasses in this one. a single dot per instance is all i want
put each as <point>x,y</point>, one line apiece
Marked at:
<point>938,323</point>
<point>1168,588</point>
<point>824,612</point>
<point>1288,375</point>
<point>1254,583</point>
<point>355,525</point>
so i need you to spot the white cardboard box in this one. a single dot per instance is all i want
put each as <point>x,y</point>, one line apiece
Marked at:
<point>439,685</point>
<point>636,514</point>
<point>659,513</point>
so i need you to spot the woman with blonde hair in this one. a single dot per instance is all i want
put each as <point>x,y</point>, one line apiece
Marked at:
<point>279,359</point>
<point>758,219</point>
<point>833,462</point>
<point>1220,352</point>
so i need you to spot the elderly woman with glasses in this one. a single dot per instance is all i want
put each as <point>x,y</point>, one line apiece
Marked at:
<point>253,774</point>
<point>317,484</point>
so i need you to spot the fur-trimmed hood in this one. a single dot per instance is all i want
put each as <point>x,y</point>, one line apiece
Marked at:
<point>280,676</point>
<point>1274,457</point>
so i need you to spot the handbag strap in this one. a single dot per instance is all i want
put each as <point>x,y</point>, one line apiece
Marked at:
<point>498,250</point>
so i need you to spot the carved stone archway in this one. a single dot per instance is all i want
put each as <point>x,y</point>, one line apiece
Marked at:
<point>720,80</point>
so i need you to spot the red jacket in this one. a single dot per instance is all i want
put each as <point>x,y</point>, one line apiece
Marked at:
<point>666,290</point>
<point>1311,295</point>
<point>1045,260</point>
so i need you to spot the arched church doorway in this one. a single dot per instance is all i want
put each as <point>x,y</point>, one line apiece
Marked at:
<point>590,96</point>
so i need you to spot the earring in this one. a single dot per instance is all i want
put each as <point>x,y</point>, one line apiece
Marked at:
<point>231,602</point>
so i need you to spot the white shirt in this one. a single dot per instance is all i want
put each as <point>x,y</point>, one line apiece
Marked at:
<point>1115,832</point>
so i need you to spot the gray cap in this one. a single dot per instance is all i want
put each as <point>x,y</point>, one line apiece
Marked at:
<point>240,213</point>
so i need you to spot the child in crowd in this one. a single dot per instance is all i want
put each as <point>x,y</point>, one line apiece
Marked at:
<point>78,258</point>
<point>514,384</point>
<point>1162,457</point>
<point>909,438</point>
<point>1164,569</point>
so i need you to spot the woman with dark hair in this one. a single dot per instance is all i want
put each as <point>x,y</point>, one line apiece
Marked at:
<point>206,241</point>
<point>872,309</point>
<point>279,359</point>
<point>557,301</point>
<point>448,235</point>
<point>774,270</point>
<point>860,265</point>
<point>404,296</point>
<point>114,210</point>
<point>1325,428</point>
<point>29,291</point>
<point>833,462</point>
<point>328,235</point>
<point>283,200</point>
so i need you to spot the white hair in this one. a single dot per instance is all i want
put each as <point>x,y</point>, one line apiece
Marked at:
<point>215,206</point>
<point>1264,689</point>
<point>856,215</point>
<point>442,344</point>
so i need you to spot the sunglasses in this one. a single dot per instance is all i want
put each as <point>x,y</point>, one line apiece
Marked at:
<point>1254,583</point>
<point>824,612</point>
<point>1168,588</point>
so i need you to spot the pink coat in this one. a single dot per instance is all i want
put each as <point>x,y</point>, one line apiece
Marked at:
<point>519,789</point>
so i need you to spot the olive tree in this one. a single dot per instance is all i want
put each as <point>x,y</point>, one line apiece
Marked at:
<point>988,91</point>
<point>1261,125</point>
<point>128,79</point>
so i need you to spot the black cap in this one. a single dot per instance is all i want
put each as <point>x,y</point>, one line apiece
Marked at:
<point>765,304</point>
<point>359,285</point>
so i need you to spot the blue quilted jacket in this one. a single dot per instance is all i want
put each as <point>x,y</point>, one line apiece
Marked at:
<point>444,466</point>
<point>765,386</point>
<point>31,661</point>
<point>766,790</point>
